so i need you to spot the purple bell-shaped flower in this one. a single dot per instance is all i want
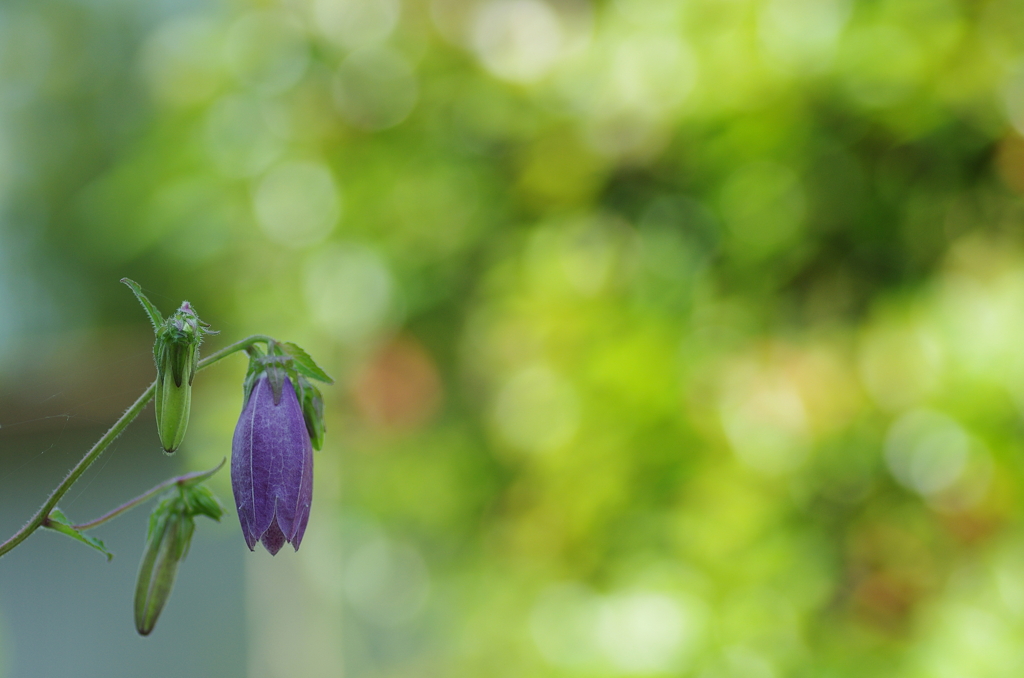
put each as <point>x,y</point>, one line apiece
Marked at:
<point>272,467</point>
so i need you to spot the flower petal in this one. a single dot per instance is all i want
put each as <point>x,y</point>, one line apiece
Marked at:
<point>305,501</point>
<point>272,467</point>
<point>273,539</point>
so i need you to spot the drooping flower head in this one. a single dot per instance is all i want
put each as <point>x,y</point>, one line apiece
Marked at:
<point>272,450</point>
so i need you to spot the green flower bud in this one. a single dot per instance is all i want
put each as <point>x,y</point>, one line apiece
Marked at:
<point>171,526</point>
<point>170,534</point>
<point>176,353</point>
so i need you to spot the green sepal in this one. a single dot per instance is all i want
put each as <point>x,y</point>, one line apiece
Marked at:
<point>276,373</point>
<point>285,360</point>
<point>177,344</point>
<point>303,363</point>
<point>312,403</point>
<point>179,362</point>
<point>154,314</point>
<point>58,522</point>
<point>200,500</point>
<point>172,405</point>
<point>252,373</point>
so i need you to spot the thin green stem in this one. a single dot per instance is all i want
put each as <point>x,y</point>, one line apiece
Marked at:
<point>234,348</point>
<point>84,463</point>
<point>119,426</point>
<point>181,480</point>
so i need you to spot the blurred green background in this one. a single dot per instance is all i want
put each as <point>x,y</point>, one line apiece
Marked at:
<point>671,337</point>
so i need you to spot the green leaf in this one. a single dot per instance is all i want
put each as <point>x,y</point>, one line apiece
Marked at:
<point>58,522</point>
<point>151,310</point>
<point>304,363</point>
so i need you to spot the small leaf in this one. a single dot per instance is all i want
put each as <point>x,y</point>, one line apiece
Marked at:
<point>151,310</point>
<point>58,522</point>
<point>305,364</point>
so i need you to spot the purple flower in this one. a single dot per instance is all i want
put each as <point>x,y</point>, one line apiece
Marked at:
<point>272,467</point>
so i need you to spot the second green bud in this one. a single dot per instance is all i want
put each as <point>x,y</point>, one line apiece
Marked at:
<point>171,525</point>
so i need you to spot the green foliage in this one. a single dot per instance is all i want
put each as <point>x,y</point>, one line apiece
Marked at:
<point>152,311</point>
<point>303,363</point>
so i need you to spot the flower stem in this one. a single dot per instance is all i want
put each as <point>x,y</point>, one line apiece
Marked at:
<point>103,443</point>
<point>233,348</point>
<point>128,505</point>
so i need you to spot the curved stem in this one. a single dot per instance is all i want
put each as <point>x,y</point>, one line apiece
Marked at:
<point>233,348</point>
<point>148,494</point>
<point>103,443</point>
